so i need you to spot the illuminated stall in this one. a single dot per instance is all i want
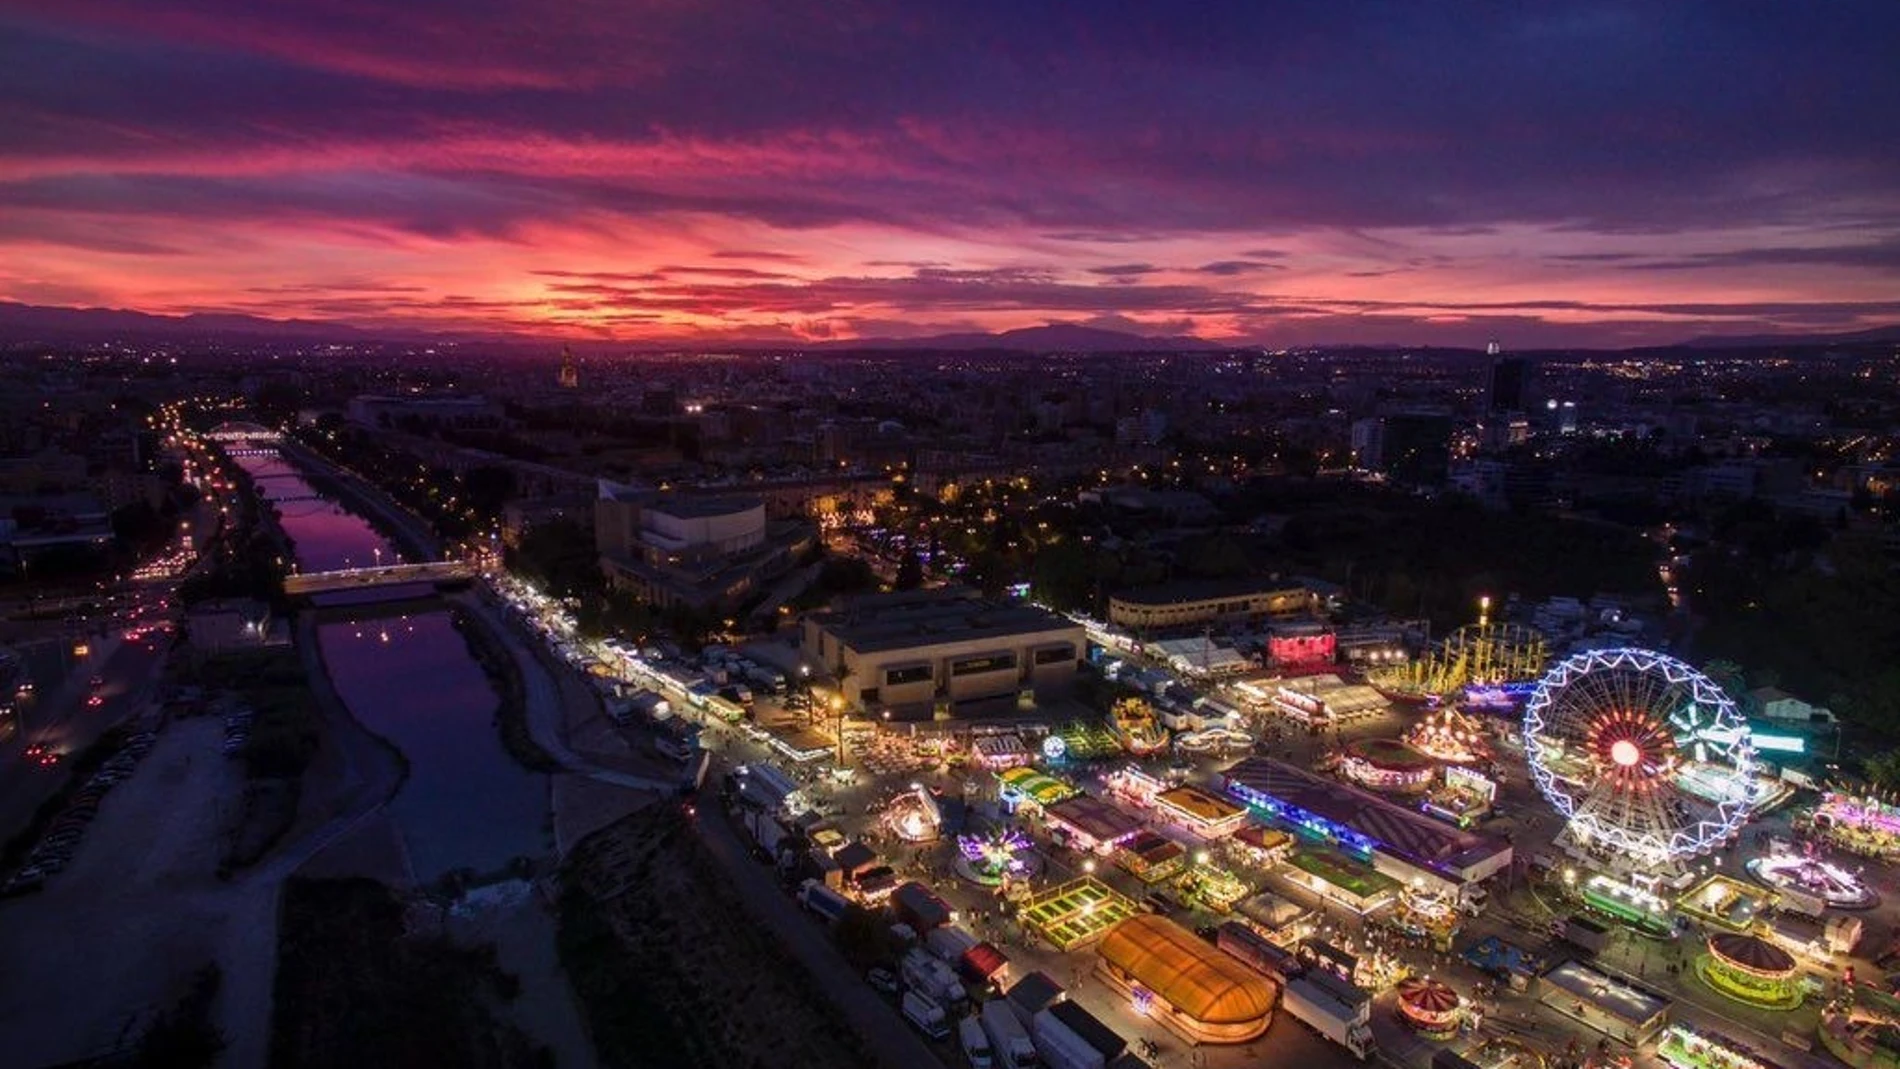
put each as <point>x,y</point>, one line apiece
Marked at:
<point>1341,880</point>
<point>1000,751</point>
<point>1681,1047</point>
<point>1201,812</point>
<point>1137,784</point>
<point>1464,797</point>
<point>1030,789</point>
<point>1262,845</point>
<point>1091,824</point>
<point>1449,735</point>
<point>1151,858</point>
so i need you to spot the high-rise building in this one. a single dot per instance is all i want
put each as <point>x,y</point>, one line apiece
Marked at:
<point>1510,376</point>
<point>570,372</point>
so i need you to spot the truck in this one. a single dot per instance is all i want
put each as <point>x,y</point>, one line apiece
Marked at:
<point>949,943</point>
<point>919,908</point>
<point>1009,1040</point>
<point>925,1015</point>
<point>1332,1007</point>
<point>1070,1037</point>
<point>975,1044</point>
<point>1585,933</point>
<point>828,904</point>
<point>923,972</point>
<point>676,739</point>
<point>650,704</point>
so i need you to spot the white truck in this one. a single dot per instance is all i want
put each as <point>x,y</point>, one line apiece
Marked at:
<point>1340,1011</point>
<point>1008,1039</point>
<point>1070,1037</point>
<point>923,972</point>
<point>924,1013</point>
<point>828,904</point>
<point>949,943</point>
<point>975,1044</point>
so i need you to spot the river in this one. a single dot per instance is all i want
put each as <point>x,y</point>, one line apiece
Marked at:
<point>411,679</point>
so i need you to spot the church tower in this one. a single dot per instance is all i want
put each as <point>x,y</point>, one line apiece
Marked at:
<point>570,373</point>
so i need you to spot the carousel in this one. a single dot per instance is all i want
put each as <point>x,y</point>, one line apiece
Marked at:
<point>1430,1007</point>
<point>1809,875</point>
<point>1450,736</point>
<point>1751,970</point>
<point>997,859</point>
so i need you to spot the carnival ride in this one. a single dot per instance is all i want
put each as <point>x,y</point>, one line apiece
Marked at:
<point>1752,970</point>
<point>1477,654</point>
<point>1450,736</point>
<point>1430,1007</point>
<point>1809,875</point>
<point>1134,723</point>
<point>1607,734</point>
<point>914,816</point>
<point>1001,856</point>
<point>1868,827</point>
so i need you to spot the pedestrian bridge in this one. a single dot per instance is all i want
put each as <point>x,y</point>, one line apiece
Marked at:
<point>441,571</point>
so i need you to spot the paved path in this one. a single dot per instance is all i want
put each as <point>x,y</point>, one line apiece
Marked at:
<point>542,697</point>
<point>886,1037</point>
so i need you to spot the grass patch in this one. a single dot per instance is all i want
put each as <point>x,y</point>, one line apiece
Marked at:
<point>286,730</point>
<point>669,970</point>
<point>355,987</point>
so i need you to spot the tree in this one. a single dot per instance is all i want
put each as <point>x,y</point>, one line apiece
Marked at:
<point>1883,769</point>
<point>910,573</point>
<point>489,487</point>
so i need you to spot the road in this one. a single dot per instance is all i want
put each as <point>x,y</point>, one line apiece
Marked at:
<point>62,721</point>
<point>884,1033</point>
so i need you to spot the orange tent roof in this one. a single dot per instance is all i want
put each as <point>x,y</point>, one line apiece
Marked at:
<point>1202,981</point>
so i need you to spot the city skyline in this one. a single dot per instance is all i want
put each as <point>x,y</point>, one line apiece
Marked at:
<point>1584,174</point>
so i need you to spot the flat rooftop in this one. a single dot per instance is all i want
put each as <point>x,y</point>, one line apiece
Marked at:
<point>900,621</point>
<point>1405,831</point>
<point>1187,591</point>
<point>1618,998</point>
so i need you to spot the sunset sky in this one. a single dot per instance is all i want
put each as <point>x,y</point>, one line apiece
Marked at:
<point>688,172</point>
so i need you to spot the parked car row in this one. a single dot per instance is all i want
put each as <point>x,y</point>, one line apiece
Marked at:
<point>62,837</point>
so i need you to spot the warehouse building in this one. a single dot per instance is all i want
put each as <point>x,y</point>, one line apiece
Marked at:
<point>917,652</point>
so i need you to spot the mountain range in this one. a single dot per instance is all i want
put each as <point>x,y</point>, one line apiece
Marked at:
<point>30,322</point>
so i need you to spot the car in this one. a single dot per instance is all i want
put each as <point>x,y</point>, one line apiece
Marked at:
<point>882,979</point>
<point>98,681</point>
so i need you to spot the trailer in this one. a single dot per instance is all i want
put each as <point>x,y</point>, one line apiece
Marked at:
<point>923,972</point>
<point>1008,1038</point>
<point>949,943</point>
<point>1332,1007</point>
<point>1070,1037</point>
<point>1263,955</point>
<point>919,908</point>
<point>827,904</point>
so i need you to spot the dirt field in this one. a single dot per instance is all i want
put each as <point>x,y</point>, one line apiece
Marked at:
<point>668,968</point>
<point>118,934</point>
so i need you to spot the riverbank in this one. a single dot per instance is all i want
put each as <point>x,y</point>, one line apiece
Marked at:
<point>511,715</point>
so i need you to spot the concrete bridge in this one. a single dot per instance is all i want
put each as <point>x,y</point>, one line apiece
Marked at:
<point>441,571</point>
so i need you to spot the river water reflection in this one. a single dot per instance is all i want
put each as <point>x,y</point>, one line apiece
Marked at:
<point>327,535</point>
<point>412,681</point>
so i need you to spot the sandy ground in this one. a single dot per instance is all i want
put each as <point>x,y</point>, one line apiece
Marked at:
<point>115,937</point>
<point>583,805</point>
<point>517,921</point>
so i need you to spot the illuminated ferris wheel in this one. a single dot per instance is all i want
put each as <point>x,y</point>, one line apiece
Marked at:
<point>1645,757</point>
